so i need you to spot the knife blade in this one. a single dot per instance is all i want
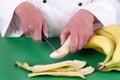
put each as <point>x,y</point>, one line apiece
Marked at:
<point>44,38</point>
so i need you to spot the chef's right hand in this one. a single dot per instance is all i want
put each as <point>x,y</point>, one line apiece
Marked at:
<point>33,24</point>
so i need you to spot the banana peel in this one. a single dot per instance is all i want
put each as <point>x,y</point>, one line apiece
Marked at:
<point>61,66</point>
<point>73,68</point>
<point>79,73</point>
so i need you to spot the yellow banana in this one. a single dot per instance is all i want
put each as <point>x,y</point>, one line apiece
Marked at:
<point>113,33</point>
<point>103,45</point>
<point>104,33</point>
<point>117,68</point>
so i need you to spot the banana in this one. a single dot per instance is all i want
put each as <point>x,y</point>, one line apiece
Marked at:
<point>62,51</point>
<point>104,33</point>
<point>103,45</point>
<point>106,69</point>
<point>113,32</point>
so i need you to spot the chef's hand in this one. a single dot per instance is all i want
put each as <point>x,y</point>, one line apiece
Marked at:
<point>32,21</point>
<point>80,28</point>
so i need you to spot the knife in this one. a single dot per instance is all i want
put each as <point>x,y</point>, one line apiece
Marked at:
<point>44,38</point>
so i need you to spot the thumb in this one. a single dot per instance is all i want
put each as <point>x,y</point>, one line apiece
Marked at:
<point>64,36</point>
<point>45,29</point>
<point>37,36</point>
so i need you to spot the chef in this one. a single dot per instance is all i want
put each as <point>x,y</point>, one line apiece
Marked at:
<point>75,18</point>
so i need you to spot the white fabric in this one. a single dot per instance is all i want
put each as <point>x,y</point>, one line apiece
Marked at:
<point>57,13</point>
<point>6,13</point>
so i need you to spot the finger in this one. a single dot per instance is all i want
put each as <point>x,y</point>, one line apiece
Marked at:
<point>37,35</point>
<point>74,42</point>
<point>28,31</point>
<point>81,41</point>
<point>25,30</point>
<point>45,29</point>
<point>86,40</point>
<point>64,35</point>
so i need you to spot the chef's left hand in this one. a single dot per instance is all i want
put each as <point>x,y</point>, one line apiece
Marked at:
<point>80,28</point>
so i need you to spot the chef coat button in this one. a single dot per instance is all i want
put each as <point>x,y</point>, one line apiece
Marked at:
<point>80,4</point>
<point>44,1</point>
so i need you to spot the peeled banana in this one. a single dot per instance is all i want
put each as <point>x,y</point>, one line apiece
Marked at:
<point>62,51</point>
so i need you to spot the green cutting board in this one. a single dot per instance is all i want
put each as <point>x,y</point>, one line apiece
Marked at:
<point>26,50</point>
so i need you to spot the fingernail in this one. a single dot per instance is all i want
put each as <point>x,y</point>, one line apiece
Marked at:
<point>46,34</point>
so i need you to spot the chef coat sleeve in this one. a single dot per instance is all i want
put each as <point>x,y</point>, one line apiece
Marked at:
<point>7,8</point>
<point>105,11</point>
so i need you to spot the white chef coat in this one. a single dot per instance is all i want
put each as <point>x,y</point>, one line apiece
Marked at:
<point>57,13</point>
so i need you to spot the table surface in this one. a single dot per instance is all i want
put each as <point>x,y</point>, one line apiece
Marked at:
<point>26,50</point>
